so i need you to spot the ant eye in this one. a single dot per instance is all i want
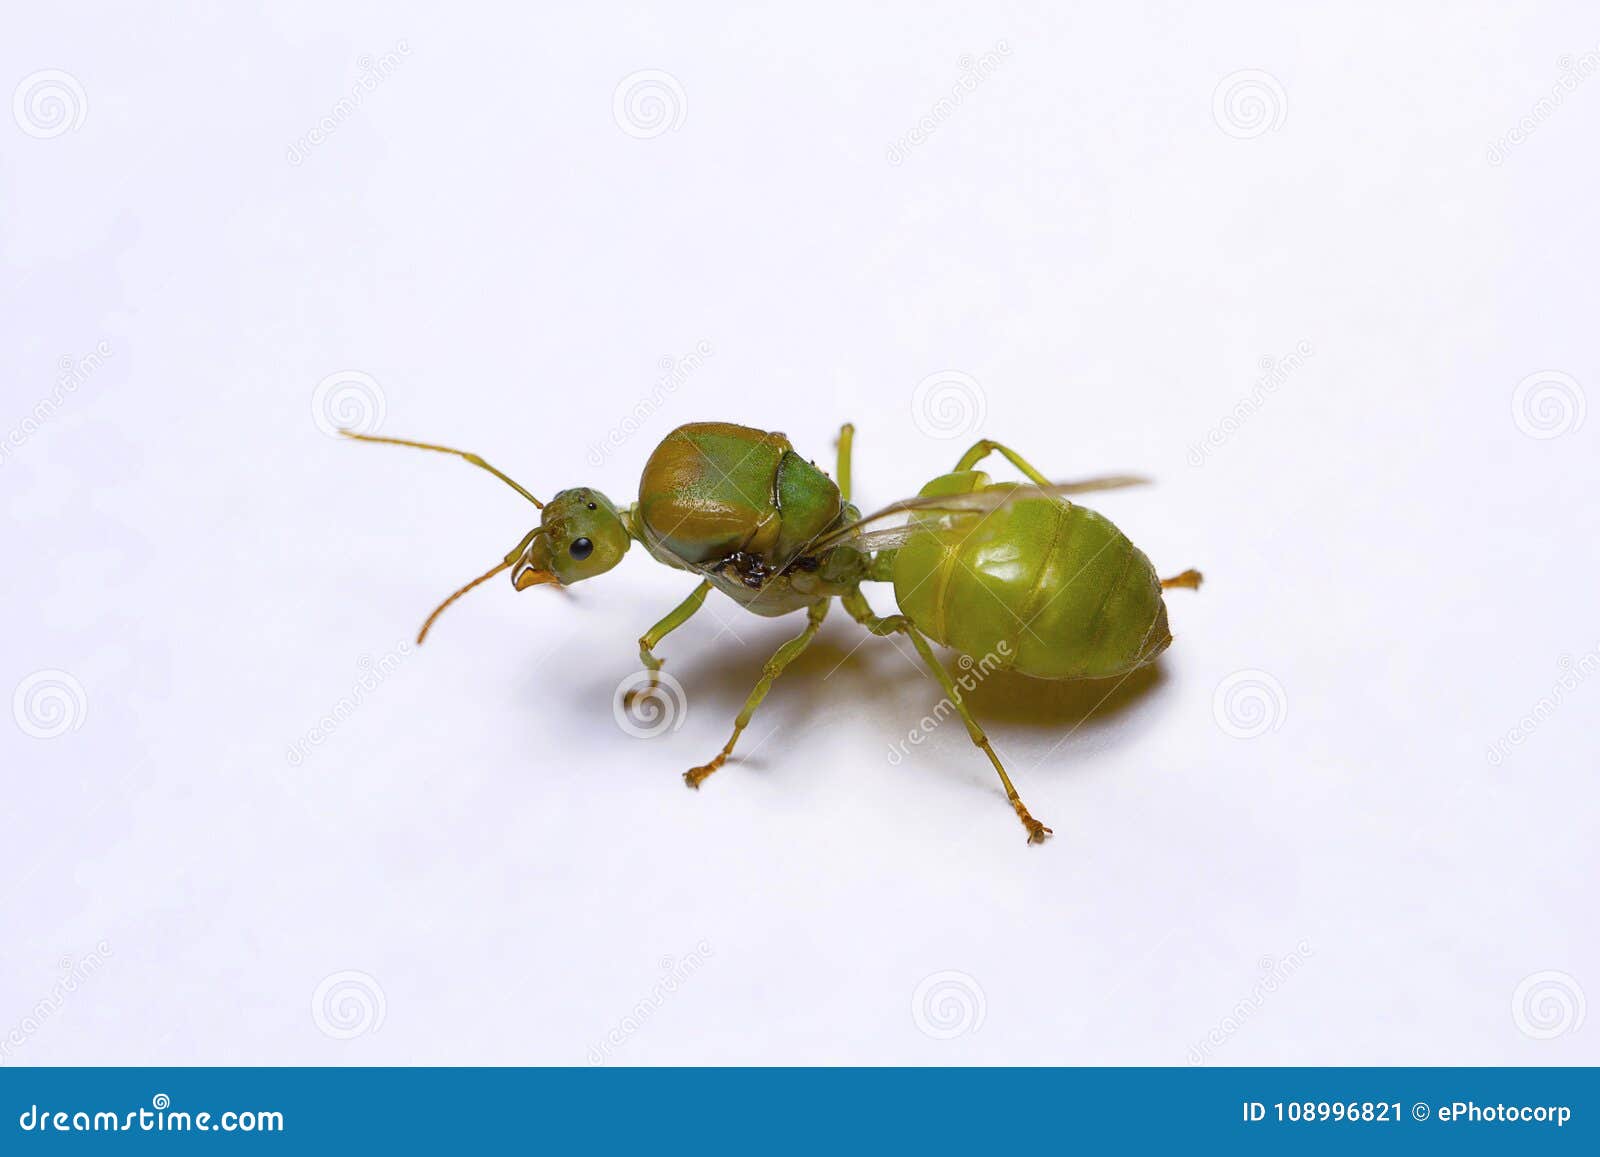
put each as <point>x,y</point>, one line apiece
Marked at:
<point>580,549</point>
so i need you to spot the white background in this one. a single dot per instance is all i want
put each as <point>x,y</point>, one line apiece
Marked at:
<point>1103,245</point>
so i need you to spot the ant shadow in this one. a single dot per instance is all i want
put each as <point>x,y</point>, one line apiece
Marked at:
<point>844,665</point>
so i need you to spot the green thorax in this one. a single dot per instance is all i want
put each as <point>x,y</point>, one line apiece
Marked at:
<point>738,504</point>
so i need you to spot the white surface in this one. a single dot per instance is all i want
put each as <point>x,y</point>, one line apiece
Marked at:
<point>1082,237</point>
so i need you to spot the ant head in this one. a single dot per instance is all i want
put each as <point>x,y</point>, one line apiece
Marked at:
<point>581,534</point>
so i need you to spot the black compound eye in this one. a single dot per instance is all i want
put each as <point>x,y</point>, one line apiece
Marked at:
<point>580,549</point>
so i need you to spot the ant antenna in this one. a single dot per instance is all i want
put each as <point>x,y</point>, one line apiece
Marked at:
<point>439,610</point>
<point>473,458</point>
<point>508,561</point>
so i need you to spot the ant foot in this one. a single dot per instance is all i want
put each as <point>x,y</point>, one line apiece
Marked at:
<point>697,775</point>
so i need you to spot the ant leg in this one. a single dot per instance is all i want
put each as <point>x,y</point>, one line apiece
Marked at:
<point>673,619</point>
<point>1189,579</point>
<point>856,604</point>
<point>847,433</point>
<point>770,671</point>
<point>983,449</point>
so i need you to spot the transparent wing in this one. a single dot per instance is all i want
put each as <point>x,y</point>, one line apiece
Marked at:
<point>877,530</point>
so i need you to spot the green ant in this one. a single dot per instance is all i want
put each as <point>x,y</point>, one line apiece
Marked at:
<point>988,569</point>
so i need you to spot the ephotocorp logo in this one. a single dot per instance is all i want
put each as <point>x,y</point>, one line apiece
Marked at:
<point>949,404</point>
<point>348,1004</point>
<point>948,1004</point>
<point>1548,1004</point>
<point>348,400</point>
<point>1249,103</point>
<point>1250,703</point>
<point>49,103</point>
<point>1548,404</point>
<point>648,103</point>
<point>645,707</point>
<point>50,703</point>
